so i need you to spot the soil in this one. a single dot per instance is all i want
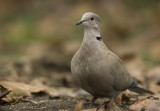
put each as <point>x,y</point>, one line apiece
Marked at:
<point>48,104</point>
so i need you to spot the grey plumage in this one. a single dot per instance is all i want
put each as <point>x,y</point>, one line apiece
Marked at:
<point>95,68</point>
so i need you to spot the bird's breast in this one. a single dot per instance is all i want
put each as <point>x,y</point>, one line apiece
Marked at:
<point>87,71</point>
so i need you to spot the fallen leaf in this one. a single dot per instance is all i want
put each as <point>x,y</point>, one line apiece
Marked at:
<point>3,92</point>
<point>9,100</point>
<point>20,89</point>
<point>78,106</point>
<point>147,104</point>
<point>126,96</point>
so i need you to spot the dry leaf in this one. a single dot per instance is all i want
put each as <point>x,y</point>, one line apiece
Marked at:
<point>20,89</point>
<point>125,96</point>
<point>3,93</point>
<point>148,104</point>
<point>78,106</point>
<point>9,99</point>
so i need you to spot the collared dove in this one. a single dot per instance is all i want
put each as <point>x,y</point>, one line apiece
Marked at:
<point>98,70</point>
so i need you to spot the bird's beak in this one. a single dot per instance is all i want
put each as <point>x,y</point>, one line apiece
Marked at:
<point>80,22</point>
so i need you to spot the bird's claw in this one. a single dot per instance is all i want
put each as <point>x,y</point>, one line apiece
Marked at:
<point>91,102</point>
<point>106,105</point>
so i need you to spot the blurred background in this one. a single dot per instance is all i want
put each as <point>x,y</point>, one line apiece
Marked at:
<point>38,38</point>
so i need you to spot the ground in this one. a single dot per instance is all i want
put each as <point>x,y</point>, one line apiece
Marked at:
<point>38,40</point>
<point>44,86</point>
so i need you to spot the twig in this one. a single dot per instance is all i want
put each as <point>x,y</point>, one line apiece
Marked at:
<point>31,101</point>
<point>3,95</point>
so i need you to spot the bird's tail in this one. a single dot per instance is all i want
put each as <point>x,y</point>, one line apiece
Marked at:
<point>140,89</point>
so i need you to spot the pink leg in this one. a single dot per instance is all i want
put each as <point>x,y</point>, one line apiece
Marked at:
<point>109,104</point>
<point>106,105</point>
<point>91,102</point>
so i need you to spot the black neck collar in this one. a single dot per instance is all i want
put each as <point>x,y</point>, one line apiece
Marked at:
<point>99,38</point>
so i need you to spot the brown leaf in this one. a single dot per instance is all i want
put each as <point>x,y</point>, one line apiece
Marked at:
<point>147,104</point>
<point>78,106</point>
<point>126,96</point>
<point>3,93</point>
<point>20,89</point>
<point>9,100</point>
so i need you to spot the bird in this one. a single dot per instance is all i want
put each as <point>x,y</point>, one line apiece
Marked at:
<point>98,70</point>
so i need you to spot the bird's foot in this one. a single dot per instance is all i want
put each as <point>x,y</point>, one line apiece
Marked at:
<point>106,105</point>
<point>91,102</point>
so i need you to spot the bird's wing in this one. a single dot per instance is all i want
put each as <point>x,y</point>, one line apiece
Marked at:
<point>122,79</point>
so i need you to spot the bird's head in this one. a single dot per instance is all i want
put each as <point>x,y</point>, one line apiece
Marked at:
<point>90,20</point>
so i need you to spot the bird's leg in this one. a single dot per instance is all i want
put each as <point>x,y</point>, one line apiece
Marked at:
<point>91,102</point>
<point>106,105</point>
<point>109,103</point>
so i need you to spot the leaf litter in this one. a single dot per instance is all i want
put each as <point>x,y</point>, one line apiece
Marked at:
<point>44,88</point>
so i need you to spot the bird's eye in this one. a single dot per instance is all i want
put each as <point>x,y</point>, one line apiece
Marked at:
<point>92,18</point>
